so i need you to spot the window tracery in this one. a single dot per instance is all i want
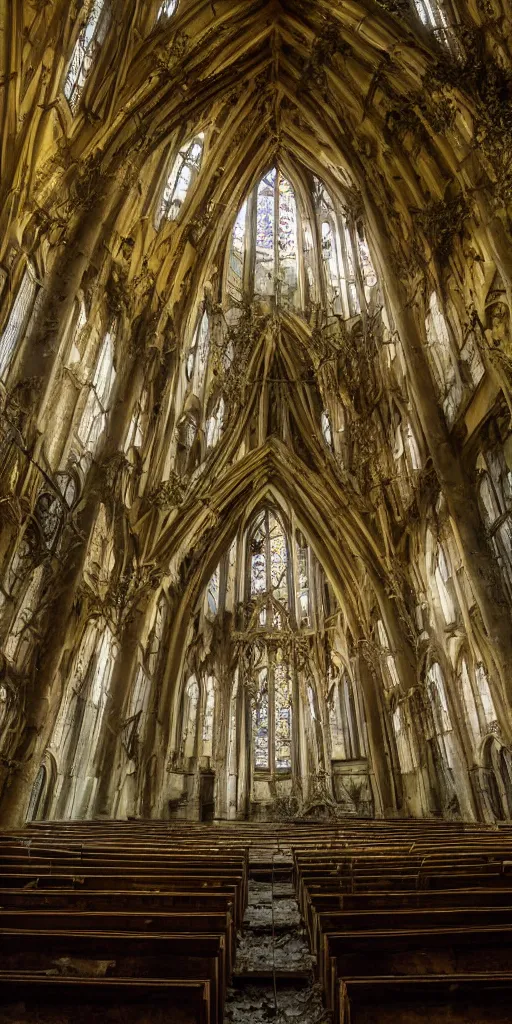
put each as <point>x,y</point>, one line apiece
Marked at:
<point>272,714</point>
<point>442,360</point>
<point>18,319</point>
<point>343,720</point>
<point>184,171</point>
<point>477,700</point>
<point>90,39</point>
<point>269,568</point>
<point>495,492</point>
<point>441,719</point>
<point>95,413</point>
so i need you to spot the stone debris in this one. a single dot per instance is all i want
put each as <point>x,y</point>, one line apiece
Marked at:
<point>274,939</point>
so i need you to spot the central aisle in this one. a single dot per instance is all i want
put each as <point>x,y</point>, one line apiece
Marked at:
<point>273,977</point>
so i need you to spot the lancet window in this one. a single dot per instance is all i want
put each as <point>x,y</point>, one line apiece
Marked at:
<point>272,713</point>
<point>442,360</point>
<point>87,693</point>
<point>94,416</point>
<point>208,716</point>
<point>184,171</point>
<point>404,736</point>
<point>274,251</point>
<point>440,714</point>
<point>23,631</point>
<point>18,319</point>
<point>269,571</point>
<point>338,257</point>
<point>197,358</point>
<point>89,41</point>
<point>496,499</point>
<point>389,669</point>
<point>346,740</point>
<point>477,701</point>
<point>441,580</point>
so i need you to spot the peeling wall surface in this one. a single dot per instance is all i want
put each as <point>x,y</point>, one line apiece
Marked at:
<point>255,395</point>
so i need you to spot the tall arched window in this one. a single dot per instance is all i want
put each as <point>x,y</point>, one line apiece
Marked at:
<point>477,700</point>
<point>496,499</point>
<point>272,714</point>
<point>337,255</point>
<point>95,413</point>
<point>89,40</point>
<point>237,255</point>
<point>389,670</point>
<point>443,361</point>
<point>268,552</point>
<point>343,720</point>
<point>184,171</point>
<point>18,319</point>
<point>197,357</point>
<point>276,268</point>
<point>441,719</point>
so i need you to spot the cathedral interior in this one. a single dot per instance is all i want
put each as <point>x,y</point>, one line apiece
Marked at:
<point>255,511</point>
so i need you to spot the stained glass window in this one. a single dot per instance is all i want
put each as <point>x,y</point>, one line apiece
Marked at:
<point>283,714</point>
<point>269,567</point>
<point>272,715</point>
<point>303,581</point>
<point>261,724</point>
<point>287,240</point>
<point>264,272</point>
<point>86,47</point>
<point>185,169</point>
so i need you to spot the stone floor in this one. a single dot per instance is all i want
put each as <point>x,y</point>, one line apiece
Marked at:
<point>273,941</point>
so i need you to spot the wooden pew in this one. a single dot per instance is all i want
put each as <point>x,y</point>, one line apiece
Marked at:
<point>448,999</point>
<point>82,1000</point>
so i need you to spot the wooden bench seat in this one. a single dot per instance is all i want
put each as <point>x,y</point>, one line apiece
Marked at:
<point>390,953</point>
<point>74,1000</point>
<point>426,999</point>
<point>123,954</point>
